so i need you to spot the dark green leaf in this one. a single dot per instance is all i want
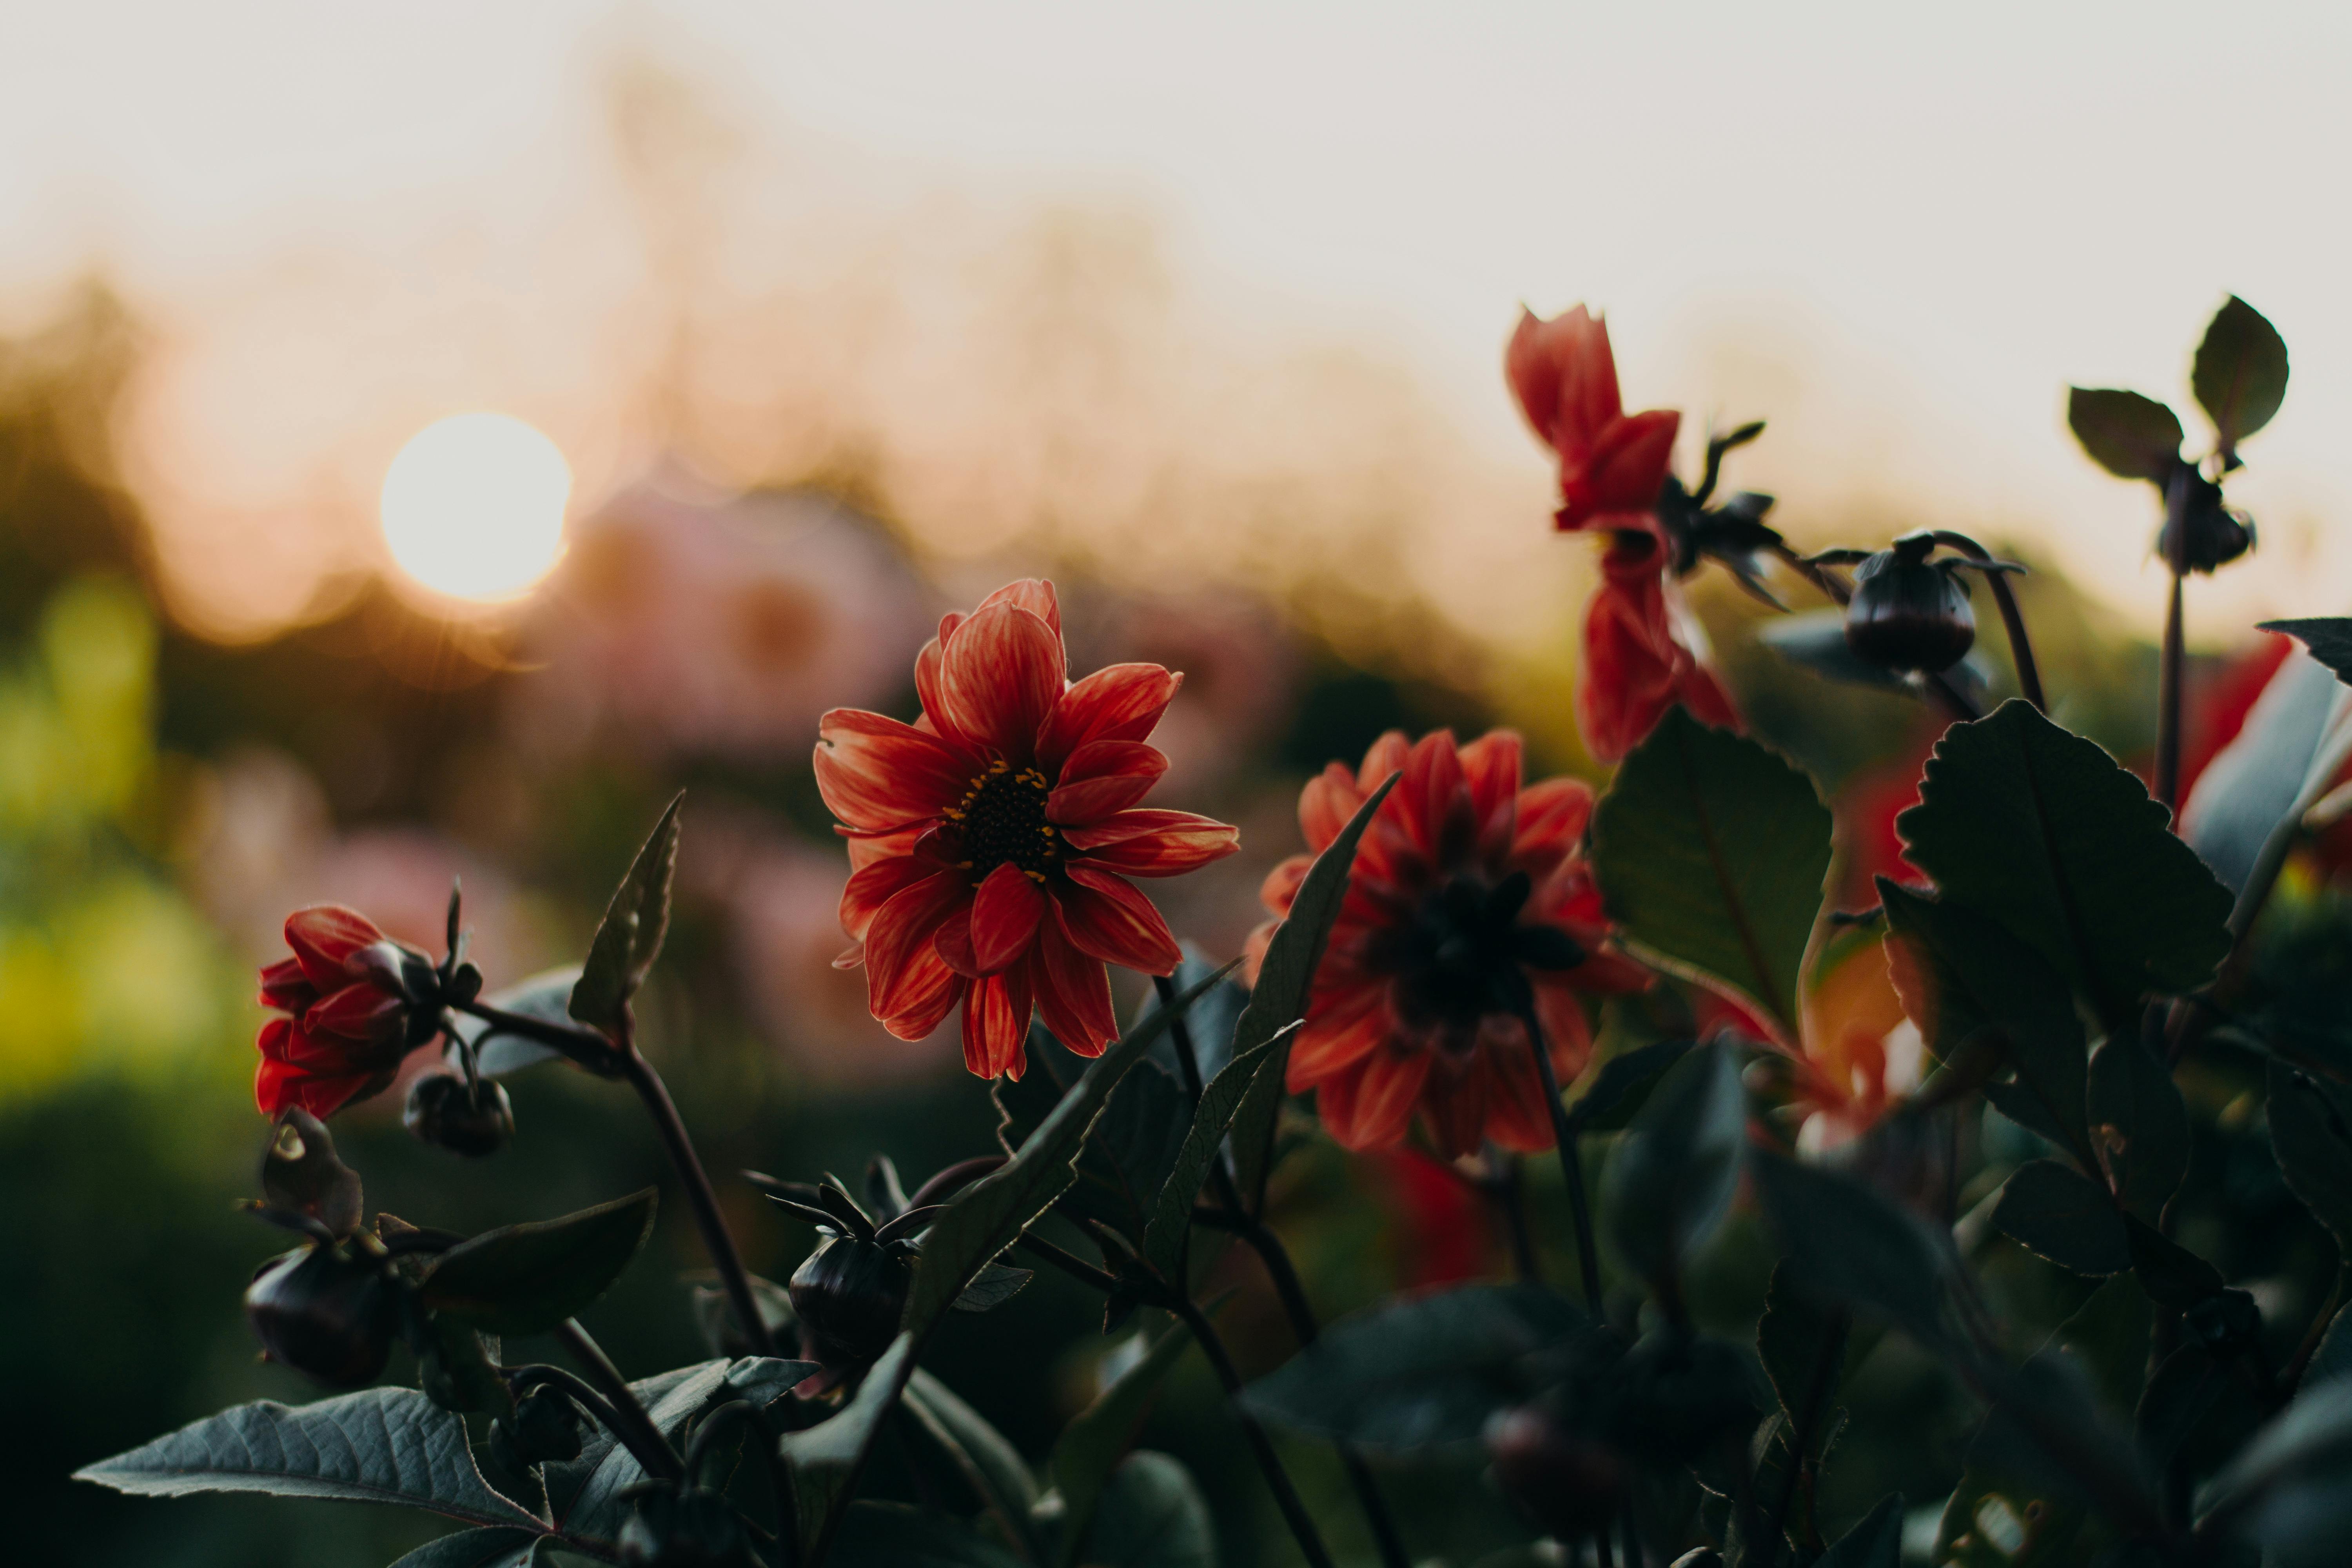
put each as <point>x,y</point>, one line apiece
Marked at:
<point>1800,1340</point>
<point>379,1444</point>
<point>1211,1019</point>
<point>995,1284</point>
<point>2131,437</point>
<point>2328,638</point>
<point>2047,835</point>
<point>1961,977</point>
<point>1422,1372</point>
<point>2291,1489</point>
<point>1816,639</point>
<point>545,996</point>
<point>1713,851</point>
<point>2239,374</point>
<point>1279,998</point>
<point>2046,1439</point>
<point>1876,1543</point>
<point>2168,1271</point>
<point>585,1494</point>
<point>1089,1448</point>
<point>991,1466</point>
<point>2311,1132</point>
<point>527,1278</point>
<point>2057,1213</point>
<point>1621,1086</point>
<point>714,1317</point>
<point>2334,1357</point>
<point>1848,1242</point>
<point>1677,1165</point>
<point>1172,1219</point>
<point>495,1547</point>
<point>2140,1124</point>
<point>458,1371</point>
<point>892,1535</point>
<point>300,1171</point>
<point>827,1456</point>
<point>2108,1336</point>
<point>629,937</point>
<point>1126,1156</point>
<point>1153,1515</point>
<point>2197,1412</point>
<point>764,1379</point>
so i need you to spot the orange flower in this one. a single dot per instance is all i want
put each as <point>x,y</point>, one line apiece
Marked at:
<point>1860,1057</point>
<point>1613,464</point>
<point>347,1002</point>
<point>1468,899</point>
<point>1635,667</point>
<point>991,840</point>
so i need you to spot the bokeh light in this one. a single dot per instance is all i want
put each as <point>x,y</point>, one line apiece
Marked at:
<point>473,506</point>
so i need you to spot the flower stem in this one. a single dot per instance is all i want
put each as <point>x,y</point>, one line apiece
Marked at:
<point>2012,620</point>
<point>1278,1479</point>
<point>637,1430</point>
<point>1505,1184</point>
<point>594,1403</point>
<point>1571,1169</point>
<point>582,1045</point>
<point>2174,669</point>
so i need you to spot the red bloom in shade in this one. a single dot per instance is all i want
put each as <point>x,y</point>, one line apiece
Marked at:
<point>992,839</point>
<point>1611,463</point>
<point>347,1006</point>
<point>1467,892</point>
<point>1635,667</point>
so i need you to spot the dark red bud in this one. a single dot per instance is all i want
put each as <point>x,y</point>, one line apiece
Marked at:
<point>848,1296</point>
<point>441,1111</point>
<point>326,1314</point>
<point>1908,613</point>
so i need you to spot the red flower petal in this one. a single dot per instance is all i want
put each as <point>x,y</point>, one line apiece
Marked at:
<point>1565,376</point>
<point>1552,817</point>
<point>1382,757</point>
<point>1001,678</point>
<point>1387,1094</point>
<point>899,938</point>
<point>1101,777</point>
<point>1152,843</point>
<point>931,991</point>
<point>1327,804</point>
<point>872,886</point>
<point>324,938</point>
<point>996,1024</point>
<point>1034,595</point>
<point>1118,702</point>
<point>360,1014</point>
<point>1490,767</point>
<point>1421,799</point>
<point>1280,888</point>
<point>1617,481</point>
<point>1004,916</point>
<point>930,688</point>
<point>285,987</point>
<point>1073,993</point>
<point>1337,1035</point>
<point>1106,916</point>
<point>878,775</point>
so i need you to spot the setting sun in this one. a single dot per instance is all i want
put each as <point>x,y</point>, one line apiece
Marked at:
<point>473,506</point>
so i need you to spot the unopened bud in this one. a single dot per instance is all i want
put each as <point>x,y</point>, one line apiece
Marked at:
<point>848,1296</point>
<point>442,1112</point>
<point>1908,613</point>
<point>325,1314</point>
<point>2215,534</point>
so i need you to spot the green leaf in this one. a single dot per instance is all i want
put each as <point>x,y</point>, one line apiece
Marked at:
<point>1279,998</point>
<point>2057,1213</point>
<point>1153,1515</point>
<point>827,1456</point>
<point>1172,1219</point>
<point>1677,1165</point>
<point>545,996</point>
<point>2047,835</point>
<point>995,1284</point>
<point>1089,1448</point>
<point>495,1547</point>
<point>2168,1271</point>
<point>2108,1336</point>
<point>1618,1090</point>
<point>2139,1123</point>
<point>1211,1020</point>
<point>1816,639</point>
<point>585,1494</point>
<point>989,1215</point>
<point>527,1278</point>
<point>2329,638</point>
<point>991,1466</point>
<point>1713,851</point>
<point>2311,1133</point>
<point>1848,1242</point>
<point>2334,1357</point>
<point>1876,1543</point>
<point>892,1535</point>
<point>629,937</point>
<point>2293,1480</point>
<point>2239,374</point>
<point>1129,1150</point>
<point>379,1444</point>
<point>1962,979</point>
<point>1794,1338</point>
<point>2131,437</point>
<point>2197,1412</point>
<point>1421,1371</point>
<point>764,1379</point>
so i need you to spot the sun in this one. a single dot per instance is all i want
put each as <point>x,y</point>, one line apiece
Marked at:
<point>473,506</point>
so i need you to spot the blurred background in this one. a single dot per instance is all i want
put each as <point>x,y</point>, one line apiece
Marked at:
<point>429,439</point>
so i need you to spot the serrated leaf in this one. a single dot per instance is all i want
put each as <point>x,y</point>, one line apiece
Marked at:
<point>893,1535</point>
<point>995,1284</point>
<point>1677,1165</point>
<point>1153,1515</point>
<point>1421,1371</point>
<point>629,937</point>
<point>2140,1124</point>
<point>1621,1086</point>
<point>1847,1241</point>
<point>2131,437</point>
<point>1876,1541</point>
<point>827,1456</point>
<point>379,1444</point>
<point>1172,1218</point>
<point>989,1215</point>
<point>585,1494</point>
<point>2057,1213</point>
<point>494,1547</point>
<point>1127,1154</point>
<point>1713,850</point>
<point>1285,981</point>
<point>545,996</point>
<point>2240,372</point>
<point>527,1278</point>
<point>1090,1447</point>
<point>1962,978</point>
<point>991,1464</point>
<point>2329,638</point>
<point>2311,1133</point>
<point>2048,835</point>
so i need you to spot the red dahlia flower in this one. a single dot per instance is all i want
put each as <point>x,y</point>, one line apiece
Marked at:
<point>992,839</point>
<point>1611,463</point>
<point>347,1006</point>
<point>1468,898</point>
<point>1635,667</point>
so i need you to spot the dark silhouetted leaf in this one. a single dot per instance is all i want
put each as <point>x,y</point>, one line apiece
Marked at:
<point>2328,638</point>
<point>1800,1339</point>
<point>1677,1165</point>
<point>629,937</point>
<point>892,1535</point>
<point>1876,1543</point>
<point>2108,1336</point>
<point>827,1456</point>
<point>1172,1219</point>
<point>1153,1515</point>
<point>995,1284</point>
<point>991,1466</point>
<point>1127,1155</point>
<point>2047,835</point>
<point>1089,1448</point>
<point>2197,1412</point>
<point>2168,1271</point>
<point>2131,437</point>
<point>527,1278</point>
<point>2239,374</point>
<point>2290,1488</point>
<point>495,1547</point>
<point>2140,1124</point>
<point>1211,1020</point>
<point>1713,851</point>
<point>2334,1357</point>
<point>2057,1213</point>
<point>2311,1132</point>
<point>1621,1086</point>
<point>1847,1241</point>
<point>546,996</point>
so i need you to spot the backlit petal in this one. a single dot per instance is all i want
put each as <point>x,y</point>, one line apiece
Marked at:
<point>325,937</point>
<point>878,774</point>
<point>1152,843</point>
<point>1490,767</point>
<point>871,887</point>
<point>1004,916</point>
<point>1101,777</point>
<point>1034,595</point>
<point>930,991</point>
<point>1001,678</point>
<point>1118,702</point>
<point>901,933</point>
<point>285,987</point>
<point>1073,992</point>
<point>1109,917</point>
<point>996,1024</point>
<point>360,1013</point>
<point>1423,797</point>
<point>1326,805</point>
<point>1337,1035</point>
<point>1280,888</point>
<point>1552,816</point>
<point>1381,758</point>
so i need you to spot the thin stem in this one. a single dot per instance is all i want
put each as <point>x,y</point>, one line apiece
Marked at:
<point>1505,1184</point>
<point>1952,697</point>
<point>1069,1263</point>
<point>2170,675</point>
<point>1179,1034</point>
<point>2021,647</point>
<point>596,1403</point>
<point>1571,1169</point>
<point>1817,1389</point>
<point>1278,1479</point>
<point>636,1430</point>
<point>583,1045</point>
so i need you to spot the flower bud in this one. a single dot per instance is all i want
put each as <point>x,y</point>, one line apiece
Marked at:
<point>1907,613</point>
<point>848,1296</point>
<point>441,1111</point>
<point>2216,535</point>
<point>325,1314</point>
<point>1568,1483</point>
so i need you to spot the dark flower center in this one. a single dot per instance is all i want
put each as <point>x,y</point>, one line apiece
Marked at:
<point>1001,821</point>
<point>1462,953</point>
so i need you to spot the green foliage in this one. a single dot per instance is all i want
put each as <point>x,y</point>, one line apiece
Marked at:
<point>491,1547</point>
<point>527,1278</point>
<point>2131,437</point>
<point>991,1467</point>
<point>1849,1243</point>
<point>629,937</point>
<point>2240,372</point>
<point>2329,638</point>
<point>2140,1124</point>
<point>2311,1131</point>
<point>1088,1450</point>
<point>890,1535</point>
<point>2062,1215</point>
<point>1124,1163</point>
<point>1153,1515</point>
<point>545,996</point>
<point>1678,1165</point>
<point>1712,851</point>
<point>1172,1218</point>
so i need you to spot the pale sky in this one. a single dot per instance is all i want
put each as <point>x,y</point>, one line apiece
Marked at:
<point>1896,231</point>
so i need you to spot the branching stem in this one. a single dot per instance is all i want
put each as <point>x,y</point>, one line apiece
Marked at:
<point>636,1430</point>
<point>1571,1168</point>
